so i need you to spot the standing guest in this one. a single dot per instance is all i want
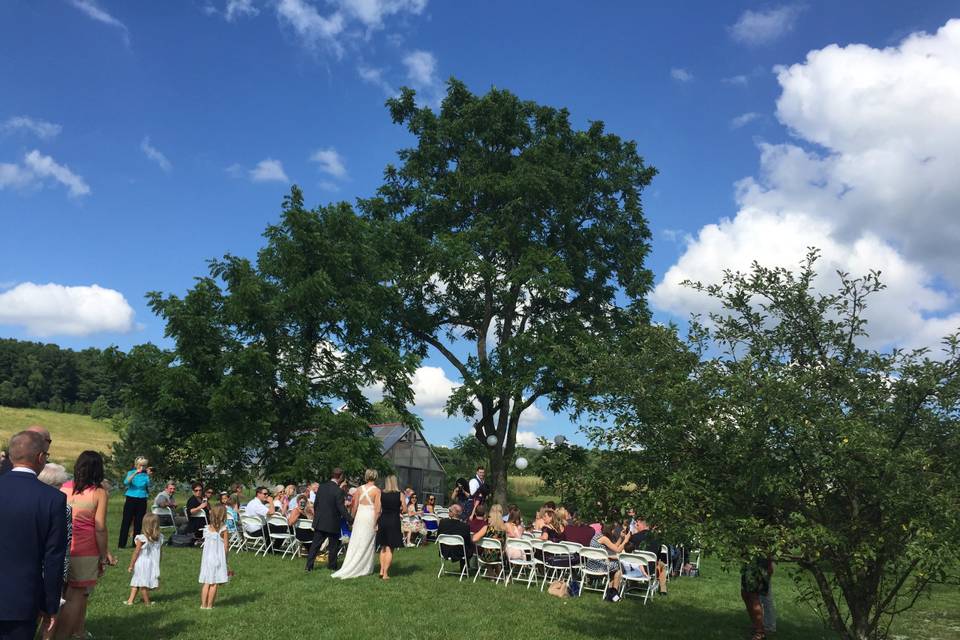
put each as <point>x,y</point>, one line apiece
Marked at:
<point>137,482</point>
<point>766,601</point>
<point>755,583</point>
<point>453,525</point>
<point>613,544</point>
<point>389,536</point>
<point>145,561</point>
<point>55,476</point>
<point>213,563</point>
<point>328,510</point>
<point>262,507</point>
<point>313,491</point>
<point>6,464</point>
<point>33,541</point>
<point>197,506</point>
<point>88,551</point>
<point>461,494</point>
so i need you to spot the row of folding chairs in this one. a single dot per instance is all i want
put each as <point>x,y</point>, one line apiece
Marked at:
<point>530,561</point>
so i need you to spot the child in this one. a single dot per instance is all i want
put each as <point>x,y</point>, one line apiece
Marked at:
<point>213,564</point>
<point>145,562</point>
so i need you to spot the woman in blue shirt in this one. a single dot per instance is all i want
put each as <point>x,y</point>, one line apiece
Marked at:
<point>137,482</point>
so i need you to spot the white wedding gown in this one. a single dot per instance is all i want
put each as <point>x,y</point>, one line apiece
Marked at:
<point>359,558</point>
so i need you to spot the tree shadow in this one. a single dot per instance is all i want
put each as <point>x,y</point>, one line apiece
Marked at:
<point>151,622</point>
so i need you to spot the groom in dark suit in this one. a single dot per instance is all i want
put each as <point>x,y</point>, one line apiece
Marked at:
<point>33,540</point>
<point>328,510</point>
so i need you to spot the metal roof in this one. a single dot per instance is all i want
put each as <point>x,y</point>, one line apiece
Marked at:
<point>390,433</point>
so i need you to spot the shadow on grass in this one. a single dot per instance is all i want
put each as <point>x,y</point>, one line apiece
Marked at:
<point>151,622</point>
<point>238,598</point>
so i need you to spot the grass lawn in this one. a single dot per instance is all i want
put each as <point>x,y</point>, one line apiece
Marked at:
<point>274,598</point>
<point>71,433</point>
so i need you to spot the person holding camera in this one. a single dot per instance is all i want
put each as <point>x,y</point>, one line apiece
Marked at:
<point>137,482</point>
<point>300,507</point>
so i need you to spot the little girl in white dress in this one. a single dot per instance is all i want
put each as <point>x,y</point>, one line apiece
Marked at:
<point>213,563</point>
<point>145,561</point>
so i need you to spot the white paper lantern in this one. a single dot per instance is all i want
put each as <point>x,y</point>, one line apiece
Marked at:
<point>521,463</point>
<point>492,441</point>
<point>559,440</point>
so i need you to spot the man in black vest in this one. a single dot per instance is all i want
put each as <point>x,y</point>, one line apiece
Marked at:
<point>328,510</point>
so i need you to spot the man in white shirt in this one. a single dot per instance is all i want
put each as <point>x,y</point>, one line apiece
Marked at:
<point>261,506</point>
<point>477,481</point>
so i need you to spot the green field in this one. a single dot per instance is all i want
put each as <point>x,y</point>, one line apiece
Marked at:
<point>274,598</point>
<point>71,433</point>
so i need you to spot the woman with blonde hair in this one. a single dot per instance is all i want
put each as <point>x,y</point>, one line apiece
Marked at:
<point>389,536</point>
<point>366,508</point>
<point>137,482</point>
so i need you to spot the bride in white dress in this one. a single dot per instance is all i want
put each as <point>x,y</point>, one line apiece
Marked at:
<point>366,512</point>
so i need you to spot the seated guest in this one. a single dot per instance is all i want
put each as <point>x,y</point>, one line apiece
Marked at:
<point>514,529</point>
<point>478,519</point>
<point>262,507</point>
<point>167,499</point>
<point>197,509</point>
<point>452,525</point>
<point>280,500</point>
<point>233,514</point>
<point>578,532</point>
<point>430,506</point>
<point>552,531</point>
<point>300,507</point>
<point>410,524</point>
<point>494,529</point>
<point>613,544</point>
<point>544,515</point>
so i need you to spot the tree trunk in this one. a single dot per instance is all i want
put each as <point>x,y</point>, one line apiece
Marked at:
<point>497,476</point>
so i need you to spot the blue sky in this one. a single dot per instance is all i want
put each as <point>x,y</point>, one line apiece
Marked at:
<point>137,140</point>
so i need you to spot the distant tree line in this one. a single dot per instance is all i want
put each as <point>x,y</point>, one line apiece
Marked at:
<point>46,376</point>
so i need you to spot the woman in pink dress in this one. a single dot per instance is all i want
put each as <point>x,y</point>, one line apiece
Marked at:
<point>88,550</point>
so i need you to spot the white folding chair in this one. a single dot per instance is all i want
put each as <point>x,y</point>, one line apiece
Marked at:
<point>537,545</point>
<point>252,541</point>
<point>448,541</point>
<point>557,563</point>
<point>636,572</point>
<point>599,555</point>
<point>522,565</point>
<point>236,538</point>
<point>281,538</point>
<point>167,522</point>
<point>431,524</point>
<point>303,532</point>
<point>495,549</point>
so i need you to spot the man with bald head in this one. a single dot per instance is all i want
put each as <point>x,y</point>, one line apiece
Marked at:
<point>33,539</point>
<point>7,465</point>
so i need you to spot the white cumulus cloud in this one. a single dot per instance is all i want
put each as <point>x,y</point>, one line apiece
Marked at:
<point>154,154</point>
<point>330,162</point>
<point>870,180</point>
<point>371,13</point>
<point>36,170</point>
<point>681,75</point>
<point>268,170</point>
<point>431,388</point>
<point>40,128</point>
<point>765,26</point>
<point>55,309</point>
<point>313,28</point>
<point>238,8</point>
<point>528,439</point>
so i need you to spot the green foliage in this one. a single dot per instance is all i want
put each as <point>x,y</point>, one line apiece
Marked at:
<point>100,409</point>
<point>263,349</point>
<point>599,484</point>
<point>507,229</point>
<point>793,440</point>
<point>44,376</point>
